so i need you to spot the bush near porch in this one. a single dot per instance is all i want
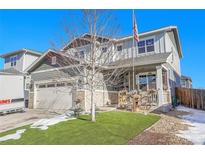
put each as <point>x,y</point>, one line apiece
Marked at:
<point>110,128</point>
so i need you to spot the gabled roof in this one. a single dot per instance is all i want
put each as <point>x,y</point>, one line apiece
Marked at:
<point>41,59</point>
<point>84,39</point>
<point>144,34</point>
<point>24,50</point>
<point>142,60</point>
<point>163,29</point>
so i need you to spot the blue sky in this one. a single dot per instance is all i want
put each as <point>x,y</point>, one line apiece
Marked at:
<point>36,29</point>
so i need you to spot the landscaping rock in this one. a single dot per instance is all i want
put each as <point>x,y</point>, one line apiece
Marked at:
<point>164,131</point>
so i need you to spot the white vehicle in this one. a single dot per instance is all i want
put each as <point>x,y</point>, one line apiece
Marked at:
<point>11,93</point>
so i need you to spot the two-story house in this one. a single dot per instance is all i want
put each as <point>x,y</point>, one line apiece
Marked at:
<point>12,77</point>
<point>156,67</point>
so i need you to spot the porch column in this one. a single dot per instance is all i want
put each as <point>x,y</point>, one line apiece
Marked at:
<point>159,82</point>
<point>129,81</point>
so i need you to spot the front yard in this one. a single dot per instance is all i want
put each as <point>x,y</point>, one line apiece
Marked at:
<point>110,128</point>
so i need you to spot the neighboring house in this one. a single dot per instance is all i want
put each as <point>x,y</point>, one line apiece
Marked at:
<point>20,60</point>
<point>12,76</point>
<point>156,65</point>
<point>186,82</point>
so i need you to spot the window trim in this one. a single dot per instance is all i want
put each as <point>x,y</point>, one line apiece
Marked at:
<point>145,39</point>
<point>145,73</point>
<point>104,46</point>
<point>13,60</point>
<point>79,53</point>
<point>120,44</point>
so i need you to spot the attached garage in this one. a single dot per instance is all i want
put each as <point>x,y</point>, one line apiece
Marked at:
<point>53,96</point>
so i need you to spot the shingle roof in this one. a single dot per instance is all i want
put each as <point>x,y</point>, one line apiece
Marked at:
<point>142,60</point>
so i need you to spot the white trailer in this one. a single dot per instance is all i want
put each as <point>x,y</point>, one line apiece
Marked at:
<point>11,93</point>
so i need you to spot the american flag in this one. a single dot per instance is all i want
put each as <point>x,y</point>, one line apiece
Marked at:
<point>135,30</point>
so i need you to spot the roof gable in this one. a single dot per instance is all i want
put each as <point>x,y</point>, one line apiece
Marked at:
<point>45,61</point>
<point>84,40</point>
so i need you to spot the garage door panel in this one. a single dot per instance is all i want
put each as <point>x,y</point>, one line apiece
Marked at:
<point>57,98</point>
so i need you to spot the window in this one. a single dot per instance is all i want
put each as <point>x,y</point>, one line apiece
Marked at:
<point>147,82</point>
<point>51,85</point>
<point>143,82</point>
<point>141,47</point>
<point>53,60</point>
<point>82,54</point>
<point>62,84</point>
<point>13,60</point>
<point>152,81</point>
<point>119,48</point>
<point>150,45</point>
<point>42,86</point>
<point>146,46</point>
<point>69,84</point>
<point>104,49</point>
<point>76,54</point>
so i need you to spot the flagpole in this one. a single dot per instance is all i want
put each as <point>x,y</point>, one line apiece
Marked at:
<point>133,49</point>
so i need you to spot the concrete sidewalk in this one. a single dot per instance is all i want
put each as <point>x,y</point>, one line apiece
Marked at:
<point>14,120</point>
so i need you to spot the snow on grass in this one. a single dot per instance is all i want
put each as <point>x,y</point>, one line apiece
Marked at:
<point>196,120</point>
<point>44,123</point>
<point>14,136</point>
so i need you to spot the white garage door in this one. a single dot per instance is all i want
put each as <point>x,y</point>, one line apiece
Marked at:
<point>53,96</point>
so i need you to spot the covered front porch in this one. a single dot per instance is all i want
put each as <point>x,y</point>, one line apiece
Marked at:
<point>148,78</point>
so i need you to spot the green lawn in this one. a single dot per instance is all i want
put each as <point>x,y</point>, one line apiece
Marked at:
<point>110,128</point>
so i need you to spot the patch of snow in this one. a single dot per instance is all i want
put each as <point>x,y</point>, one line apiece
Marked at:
<point>14,136</point>
<point>196,120</point>
<point>44,123</point>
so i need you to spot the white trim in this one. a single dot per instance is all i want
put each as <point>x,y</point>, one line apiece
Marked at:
<point>147,53</point>
<point>150,32</point>
<point>54,69</point>
<point>145,73</point>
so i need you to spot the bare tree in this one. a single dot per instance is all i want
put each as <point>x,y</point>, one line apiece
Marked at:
<point>92,67</point>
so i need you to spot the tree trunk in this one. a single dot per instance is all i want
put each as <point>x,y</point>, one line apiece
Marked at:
<point>92,106</point>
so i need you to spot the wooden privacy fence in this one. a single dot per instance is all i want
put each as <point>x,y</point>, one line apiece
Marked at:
<point>193,98</point>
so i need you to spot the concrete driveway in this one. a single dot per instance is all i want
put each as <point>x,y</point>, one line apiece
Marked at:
<point>14,120</point>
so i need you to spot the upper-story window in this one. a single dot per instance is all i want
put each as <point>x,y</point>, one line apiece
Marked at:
<point>79,54</point>
<point>146,46</point>
<point>82,54</point>
<point>104,49</point>
<point>13,60</point>
<point>119,47</point>
<point>150,45</point>
<point>141,47</point>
